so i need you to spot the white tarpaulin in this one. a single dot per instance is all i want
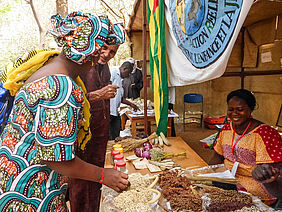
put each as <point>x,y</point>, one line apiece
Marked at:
<point>200,37</point>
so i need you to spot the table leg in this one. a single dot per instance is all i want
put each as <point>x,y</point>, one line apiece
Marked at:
<point>133,128</point>
<point>122,121</point>
<point>168,133</point>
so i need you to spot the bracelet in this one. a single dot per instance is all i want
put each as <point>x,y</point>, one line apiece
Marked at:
<point>102,178</point>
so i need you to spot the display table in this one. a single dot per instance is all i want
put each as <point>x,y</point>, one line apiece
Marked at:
<point>140,119</point>
<point>190,161</point>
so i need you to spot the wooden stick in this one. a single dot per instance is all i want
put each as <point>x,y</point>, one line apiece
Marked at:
<point>223,180</point>
<point>192,167</point>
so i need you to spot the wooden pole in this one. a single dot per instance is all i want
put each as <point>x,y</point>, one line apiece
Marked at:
<point>252,73</point>
<point>145,64</point>
<point>242,59</point>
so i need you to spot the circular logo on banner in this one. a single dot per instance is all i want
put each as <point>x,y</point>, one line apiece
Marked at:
<point>203,28</point>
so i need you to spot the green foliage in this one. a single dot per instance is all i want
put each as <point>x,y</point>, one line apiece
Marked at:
<point>19,31</point>
<point>5,8</point>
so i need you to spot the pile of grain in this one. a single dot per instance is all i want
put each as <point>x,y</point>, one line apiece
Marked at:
<point>134,200</point>
<point>226,200</point>
<point>178,191</point>
<point>137,180</point>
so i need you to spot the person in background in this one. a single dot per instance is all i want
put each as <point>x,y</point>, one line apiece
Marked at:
<point>117,76</point>
<point>246,142</point>
<point>134,83</point>
<point>85,195</point>
<point>50,119</point>
<point>138,80</point>
<point>270,177</point>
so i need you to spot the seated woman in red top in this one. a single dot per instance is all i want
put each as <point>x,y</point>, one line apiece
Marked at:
<point>245,142</point>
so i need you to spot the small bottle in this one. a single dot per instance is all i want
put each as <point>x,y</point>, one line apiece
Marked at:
<point>117,146</point>
<point>113,154</point>
<point>120,149</point>
<point>118,158</point>
<point>121,166</point>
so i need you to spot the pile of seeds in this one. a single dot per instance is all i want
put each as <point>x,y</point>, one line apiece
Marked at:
<point>178,191</point>
<point>227,200</point>
<point>134,200</point>
<point>185,196</point>
<point>137,180</point>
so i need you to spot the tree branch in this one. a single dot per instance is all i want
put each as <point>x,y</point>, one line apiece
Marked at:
<point>62,7</point>
<point>111,9</point>
<point>123,17</point>
<point>30,2</point>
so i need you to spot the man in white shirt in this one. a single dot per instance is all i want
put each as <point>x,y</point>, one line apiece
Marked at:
<point>117,75</point>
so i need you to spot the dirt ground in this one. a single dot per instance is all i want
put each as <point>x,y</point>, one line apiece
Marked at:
<point>192,135</point>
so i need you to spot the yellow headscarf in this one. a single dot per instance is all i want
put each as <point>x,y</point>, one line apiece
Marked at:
<point>25,67</point>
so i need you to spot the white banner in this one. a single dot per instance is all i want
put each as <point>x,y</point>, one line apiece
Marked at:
<point>200,37</point>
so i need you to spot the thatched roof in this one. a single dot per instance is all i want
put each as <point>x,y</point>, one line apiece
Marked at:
<point>136,18</point>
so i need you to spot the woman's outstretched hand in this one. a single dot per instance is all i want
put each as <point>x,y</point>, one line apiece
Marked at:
<point>115,179</point>
<point>80,169</point>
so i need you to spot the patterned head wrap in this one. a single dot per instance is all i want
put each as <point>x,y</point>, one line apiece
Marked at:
<point>116,35</point>
<point>82,34</point>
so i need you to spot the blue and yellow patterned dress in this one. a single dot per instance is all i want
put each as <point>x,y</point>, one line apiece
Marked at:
<point>42,126</point>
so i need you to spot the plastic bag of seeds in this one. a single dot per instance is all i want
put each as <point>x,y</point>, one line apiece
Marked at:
<point>130,201</point>
<point>222,200</point>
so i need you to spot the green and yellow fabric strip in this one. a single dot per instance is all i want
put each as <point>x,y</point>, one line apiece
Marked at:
<point>158,69</point>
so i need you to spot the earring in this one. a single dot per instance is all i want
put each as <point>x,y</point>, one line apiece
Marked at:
<point>92,62</point>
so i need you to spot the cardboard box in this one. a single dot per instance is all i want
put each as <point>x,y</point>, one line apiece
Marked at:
<point>270,56</point>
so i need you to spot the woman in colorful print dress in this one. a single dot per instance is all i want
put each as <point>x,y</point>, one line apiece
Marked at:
<point>50,118</point>
<point>246,142</point>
